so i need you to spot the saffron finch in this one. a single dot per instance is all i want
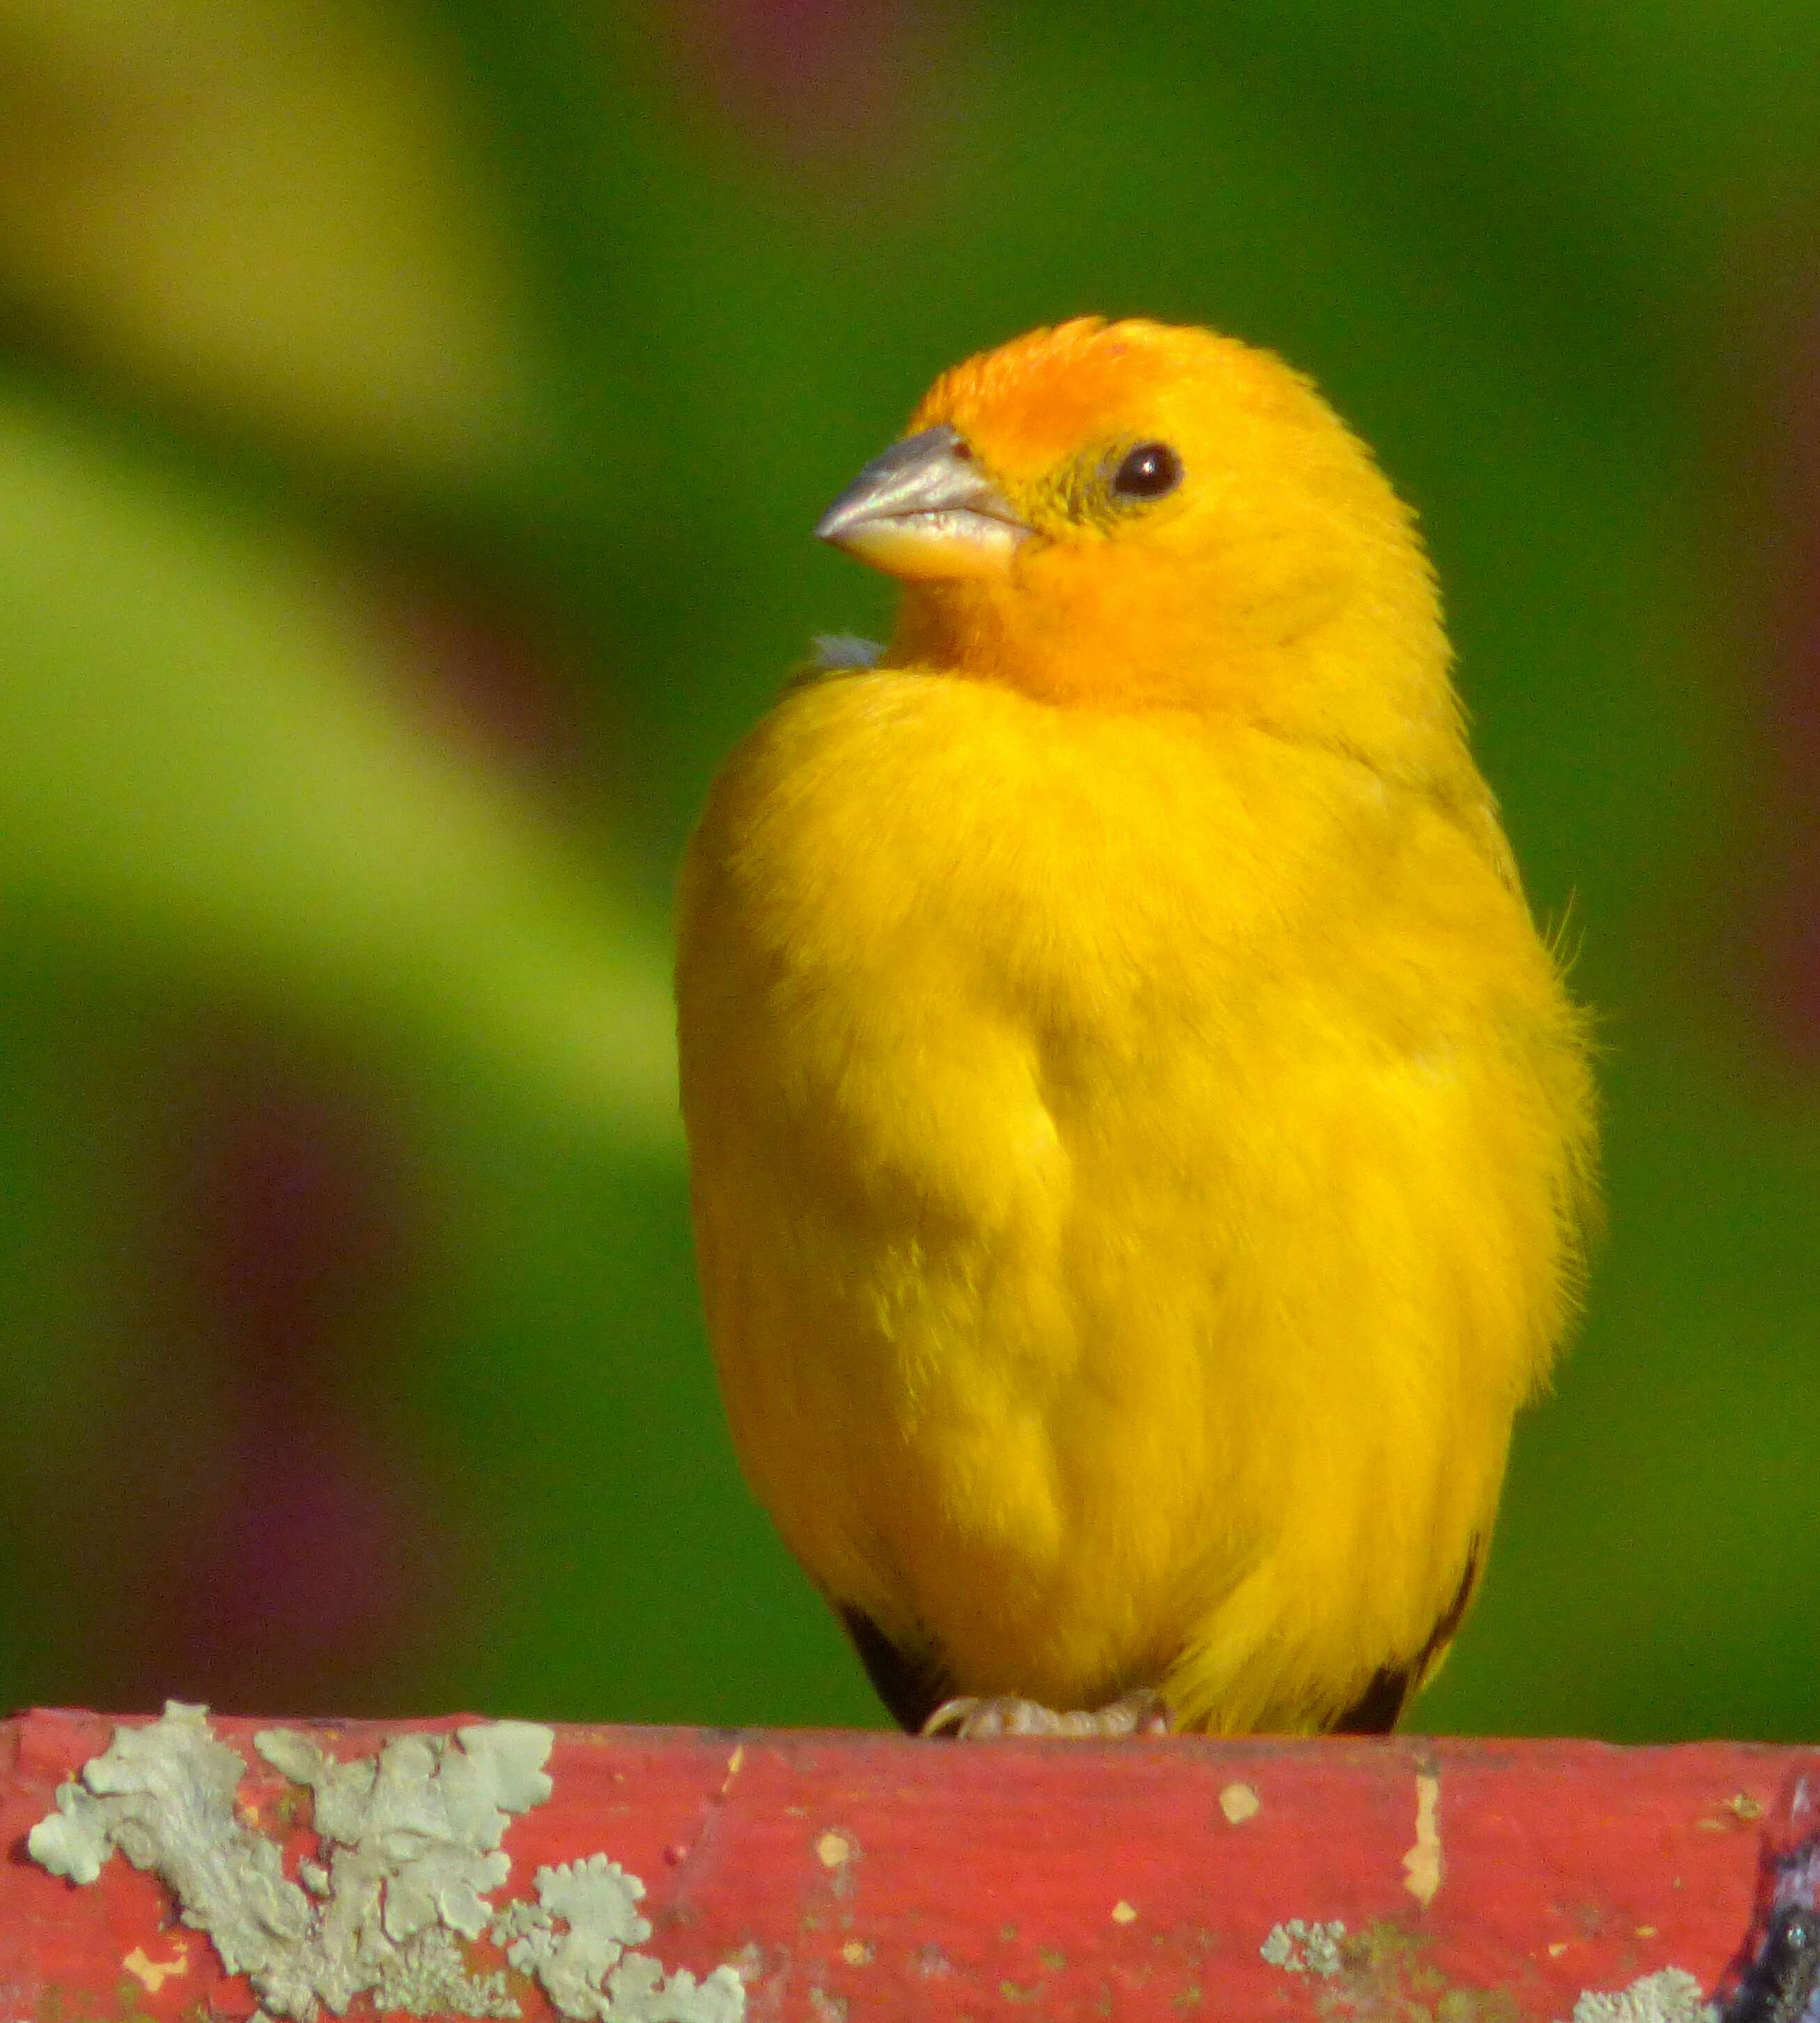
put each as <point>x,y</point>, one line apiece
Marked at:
<point>1139,1140</point>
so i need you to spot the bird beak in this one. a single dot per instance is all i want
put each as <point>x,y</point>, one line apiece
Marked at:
<point>924,510</point>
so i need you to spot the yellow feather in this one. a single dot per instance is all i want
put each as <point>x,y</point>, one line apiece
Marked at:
<point>1138,1135</point>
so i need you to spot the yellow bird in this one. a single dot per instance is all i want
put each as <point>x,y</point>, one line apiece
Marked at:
<point>1139,1140</point>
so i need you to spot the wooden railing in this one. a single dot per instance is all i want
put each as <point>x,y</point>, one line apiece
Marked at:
<point>188,1866</point>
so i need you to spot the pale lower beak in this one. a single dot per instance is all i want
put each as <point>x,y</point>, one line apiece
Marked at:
<point>924,510</point>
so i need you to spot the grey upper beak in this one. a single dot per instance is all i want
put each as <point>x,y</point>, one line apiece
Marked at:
<point>923,500</point>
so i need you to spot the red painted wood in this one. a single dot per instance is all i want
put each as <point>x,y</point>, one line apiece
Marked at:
<point>859,1876</point>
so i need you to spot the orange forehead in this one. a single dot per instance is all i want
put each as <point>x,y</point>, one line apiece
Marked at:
<point>1038,400</point>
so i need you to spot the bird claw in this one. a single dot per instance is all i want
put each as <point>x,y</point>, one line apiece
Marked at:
<point>971,1718</point>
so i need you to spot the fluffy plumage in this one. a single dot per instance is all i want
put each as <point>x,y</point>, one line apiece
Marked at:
<point>1138,1137</point>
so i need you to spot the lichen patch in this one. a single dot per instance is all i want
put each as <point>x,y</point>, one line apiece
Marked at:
<point>1381,1971</point>
<point>1299,1945</point>
<point>407,1862</point>
<point>1672,1995</point>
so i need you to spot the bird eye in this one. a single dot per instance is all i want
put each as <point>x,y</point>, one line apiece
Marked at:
<point>1150,470</point>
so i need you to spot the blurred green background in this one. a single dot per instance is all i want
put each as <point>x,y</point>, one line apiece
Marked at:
<point>411,418</point>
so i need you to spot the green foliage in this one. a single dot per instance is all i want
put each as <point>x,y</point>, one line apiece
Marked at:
<point>1507,244</point>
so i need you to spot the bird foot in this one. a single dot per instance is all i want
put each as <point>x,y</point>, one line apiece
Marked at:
<point>969,1719</point>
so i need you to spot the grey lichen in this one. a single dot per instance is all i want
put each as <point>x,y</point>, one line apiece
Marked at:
<point>1672,1995</point>
<point>586,1966</point>
<point>409,1856</point>
<point>427,1975</point>
<point>1298,1947</point>
<point>415,1835</point>
<point>164,1796</point>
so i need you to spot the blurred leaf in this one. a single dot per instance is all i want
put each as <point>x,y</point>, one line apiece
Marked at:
<point>64,1226</point>
<point>203,775</point>
<point>267,206</point>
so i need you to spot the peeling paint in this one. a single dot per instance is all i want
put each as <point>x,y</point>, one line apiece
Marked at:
<point>1240,1802</point>
<point>152,1974</point>
<point>1423,1867</point>
<point>408,1857</point>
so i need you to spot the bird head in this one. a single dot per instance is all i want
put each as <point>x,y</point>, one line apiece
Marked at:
<point>1130,515</point>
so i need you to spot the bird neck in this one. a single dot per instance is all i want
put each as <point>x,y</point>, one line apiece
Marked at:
<point>1354,672</point>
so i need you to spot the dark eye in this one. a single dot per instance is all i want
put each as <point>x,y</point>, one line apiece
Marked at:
<point>1151,470</point>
